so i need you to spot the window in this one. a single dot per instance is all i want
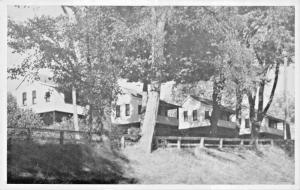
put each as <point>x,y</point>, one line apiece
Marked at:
<point>24,99</point>
<point>159,111</point>
<point>247,123</point>
<point>139,109</point>
<point>166,113</point>
<point>195,118</point>
<point>272,124</point>
<point>185,115</point>
<point>47,96</point>
<point>33,97</point>
<point>127,109</point>
<point>206,115</point>
<point>118,111</point>
<point>68,97</point>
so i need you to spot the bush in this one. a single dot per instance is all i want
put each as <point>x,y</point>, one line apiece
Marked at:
<point>17,117</point>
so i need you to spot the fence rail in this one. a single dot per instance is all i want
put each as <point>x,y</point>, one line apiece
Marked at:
<point>52,135</point>
<point>180,142</point>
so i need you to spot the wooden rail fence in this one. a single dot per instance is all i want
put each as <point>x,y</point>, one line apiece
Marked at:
<point>57,135</point>
<point>190,142</point>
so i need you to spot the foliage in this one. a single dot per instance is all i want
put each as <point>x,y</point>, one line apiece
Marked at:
<point>78,49</point>
<point>270,34</point>
<point>234,48</point>
<point>278,106</point>
<point>17,117</point>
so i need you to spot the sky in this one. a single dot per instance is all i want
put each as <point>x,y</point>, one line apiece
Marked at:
<point>23,13</point>
<point>20,15</point>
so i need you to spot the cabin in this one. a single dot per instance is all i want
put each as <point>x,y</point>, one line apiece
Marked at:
<point>194,118</point>
<point>127,113</point>
<point>271,127</point>
<point>42,97</point>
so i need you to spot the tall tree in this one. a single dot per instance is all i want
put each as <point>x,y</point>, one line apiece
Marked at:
<point>78,53</point>
<point>269,32</point>
<point>46,46</point>
<point>171,48</point>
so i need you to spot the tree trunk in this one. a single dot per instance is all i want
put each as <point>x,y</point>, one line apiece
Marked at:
<point>90,122</point>
<point>217,97</point>
<point>238,108</point>
<point>285,99</point>
<point>90,117</point>
<point>273,88</point>
<point>159,19</point>
<point>261,90</point>
<point>150,117</point>
<point>261,112</point>
<point>253,125</point>
<point>75,116</point>
<point>144,104</point>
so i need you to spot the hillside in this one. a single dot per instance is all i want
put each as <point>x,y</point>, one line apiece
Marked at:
<point>78,163</point>
<point>29,162</point>
<point>212,166</point>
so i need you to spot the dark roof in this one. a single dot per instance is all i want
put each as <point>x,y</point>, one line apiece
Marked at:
<point>274,118</point>
<point>131,92</point>
<point>203,100</point>
<point>210,102</point>
<point>168,105</point>
<point>139,95</point>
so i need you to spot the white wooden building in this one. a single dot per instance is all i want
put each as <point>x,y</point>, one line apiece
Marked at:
<point>271,127</point>
<point>43,98</point>
<point>194,118</point>
<point>127,112</point>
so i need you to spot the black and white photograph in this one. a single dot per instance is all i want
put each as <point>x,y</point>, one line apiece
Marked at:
<point>199,95</point>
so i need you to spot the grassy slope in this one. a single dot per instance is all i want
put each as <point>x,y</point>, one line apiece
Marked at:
<point>211,166</point>
<point>69,163</point>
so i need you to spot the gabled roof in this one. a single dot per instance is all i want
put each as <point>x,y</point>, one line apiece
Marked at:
<point>207,102</point>
<point>139,95</point>
<point>274,118</point>
<point>168,105</point>
<point>203,100</point>
<point>42,78</point>
<point>210,102</point>
<point>131,92</point>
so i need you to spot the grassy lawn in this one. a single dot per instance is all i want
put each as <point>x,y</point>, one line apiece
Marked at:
<point>212,166</point>
<point>79,163</point>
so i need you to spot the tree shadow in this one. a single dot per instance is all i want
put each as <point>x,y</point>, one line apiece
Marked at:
<point>68,163</point>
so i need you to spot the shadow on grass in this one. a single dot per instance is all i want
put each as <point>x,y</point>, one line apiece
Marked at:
<point>30,162</point>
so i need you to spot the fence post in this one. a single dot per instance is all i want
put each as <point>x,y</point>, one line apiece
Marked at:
<point>221,143</point>
<point>61,139</point>
<point>28,134</point>
<point>179,142</point>
<point>202,142</point>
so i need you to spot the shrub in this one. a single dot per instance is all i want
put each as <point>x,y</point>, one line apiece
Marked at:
<point>17,117</point>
